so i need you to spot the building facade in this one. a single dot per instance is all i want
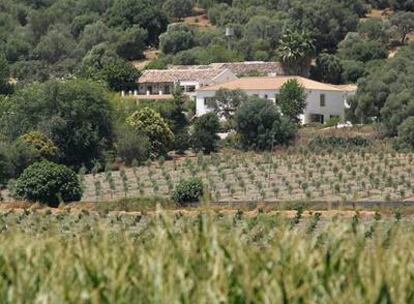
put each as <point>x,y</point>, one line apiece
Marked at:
<point>324,101</point>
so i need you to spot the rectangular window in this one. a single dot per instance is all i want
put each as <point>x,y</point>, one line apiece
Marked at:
<point>318,118</point>
<point>167,89</point>
<point>266,97</point>
<point>276,97</point>
<point>323,100</point>
<point>190,89</point>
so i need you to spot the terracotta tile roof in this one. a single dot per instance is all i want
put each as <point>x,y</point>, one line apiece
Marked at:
<point>174,75</point>
<point>270,84</point>
<point>151,97</point>
<point>244,68</point>
<point>347,87</point>
<point>240,68</point>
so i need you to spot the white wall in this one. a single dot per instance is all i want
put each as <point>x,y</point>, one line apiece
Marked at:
<point>334,102</point>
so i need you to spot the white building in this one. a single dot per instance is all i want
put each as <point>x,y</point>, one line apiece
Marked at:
<point>324,101</point>
<point>159,84</point>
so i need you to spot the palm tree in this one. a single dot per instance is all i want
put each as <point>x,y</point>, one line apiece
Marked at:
<point>296,51</point>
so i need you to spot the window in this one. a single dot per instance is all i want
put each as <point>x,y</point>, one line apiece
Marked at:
<point>167,89</point>
<point>318,118</point>
<point>323,100</point>
<point>208,100</point>
<point>190,89</point>
<point>266,96</point>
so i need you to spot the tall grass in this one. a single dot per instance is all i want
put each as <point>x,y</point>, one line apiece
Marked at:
<point>207,258</point>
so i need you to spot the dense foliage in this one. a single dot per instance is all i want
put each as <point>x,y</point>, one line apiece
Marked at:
<point>75,115</point>
<point>204,134</point>
<point>48,183</point>
<point>261,126</point>
<point>188,191</point>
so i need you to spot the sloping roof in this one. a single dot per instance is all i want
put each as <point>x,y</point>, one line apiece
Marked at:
<point>244,68</point>
<point>240,68</point>
<point>347,87</point>
<point>151,97</point>
<point>174,75</point>
<point>270,83</point>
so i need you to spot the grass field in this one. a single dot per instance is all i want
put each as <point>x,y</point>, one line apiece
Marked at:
<point>205,257</point>
<point>352,176</point>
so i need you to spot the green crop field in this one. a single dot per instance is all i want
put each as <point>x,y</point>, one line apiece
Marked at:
<point>355,176</point>
<point>205,257</point>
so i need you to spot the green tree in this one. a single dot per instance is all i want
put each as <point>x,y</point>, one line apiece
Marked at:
<point>103,64</point>
<point>5,86</point>
<point>42,144</point>
<point>225,102</point>
<point>178,9</point>
<point>328,69</point>
<point>176,39</point>
<point>405,140</point>
<point>296,50</point>
<point>130,43</point>
<point>204,136</point>
<point>75,114</point>
<point>48,183</point>
<point>150,124</point>
<point>146,14</point>
<point>404,23</point>
<point>358,49</point>
<point>261,126</point>
<point>131,145</point>
<point>188,191</point>
<point>292,100</point>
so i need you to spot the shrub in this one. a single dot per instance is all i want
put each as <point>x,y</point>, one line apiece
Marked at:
<point>41,143</point>
<point>188,191</point>
<point>204,137</point>
<point>260,125</point>
<point>154,127</point>
<point>405,140</point>
<point>48,183</point>
<point>132,146</point>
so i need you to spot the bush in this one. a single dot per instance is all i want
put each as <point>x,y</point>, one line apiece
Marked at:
<point>204,137</point>
<point>188,191</point>
<point>48,183</point>
<point>150,124</point>
<point>131,145</point>
<point>261,126</point>
<point>405,140</point>
<point>42,144</point>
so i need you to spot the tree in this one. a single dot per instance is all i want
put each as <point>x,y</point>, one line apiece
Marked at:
<point>328,21</point>
<point>296,50</point>
<point>48,183</point>
<point>42,144</point>
<point>130,43</point>
<point>176,39</point>
<point>373,29</point>
<point>404,23</point>
<point>131,145</point>
<point>150,124</point>
<point>5,86</point>
<point>292,100</point>
<point>178,9</point>
<point>144,13</point>
<point>405,140</point>
<point>261,126</point>
<point>204,136</point>
<point>328,69</point>
<point>103,64</point>
<point>75,114</point>
<point>225,102</point>
<point>188,191</point>
<point>352,70</point>
<point>358,49</point>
